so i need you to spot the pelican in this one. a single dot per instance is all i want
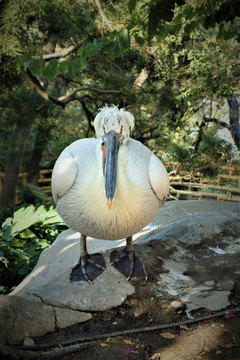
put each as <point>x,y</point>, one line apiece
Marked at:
<point>108,188</point>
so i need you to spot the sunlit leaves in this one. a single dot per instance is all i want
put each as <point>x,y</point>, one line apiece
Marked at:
<point>113,46</point>
<point>23,237</point>
<point>124,39</point>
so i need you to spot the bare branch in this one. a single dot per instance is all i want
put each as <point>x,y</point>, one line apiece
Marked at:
<point>88,88</point>
<point>64,100</point>
<point>104,19</point>
<point>41,90</point>
<point>57,55</point>
<point>219,122</point>
<point>90,118</point>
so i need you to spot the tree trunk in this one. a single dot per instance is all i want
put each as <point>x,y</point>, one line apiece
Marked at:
<point>34,163</point>
<point>234,119</point>
<point>200,135</point>
<point>10,182</point>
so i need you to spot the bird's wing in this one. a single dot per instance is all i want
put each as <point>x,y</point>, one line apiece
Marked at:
<point>64,174</point>
<point>158,178</point>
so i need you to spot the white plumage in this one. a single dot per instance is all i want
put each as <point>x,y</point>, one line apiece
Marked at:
<point>78,181</point>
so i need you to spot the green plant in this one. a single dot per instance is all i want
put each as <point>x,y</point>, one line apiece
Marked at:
<point>22,239</point>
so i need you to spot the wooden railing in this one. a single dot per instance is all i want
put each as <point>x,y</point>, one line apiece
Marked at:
<point>183,184</point>
<point>192,185</point>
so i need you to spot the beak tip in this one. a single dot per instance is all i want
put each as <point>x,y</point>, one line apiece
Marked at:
<point>109,203</point>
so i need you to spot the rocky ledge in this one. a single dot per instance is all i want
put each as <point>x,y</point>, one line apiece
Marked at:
<point>191,252</point>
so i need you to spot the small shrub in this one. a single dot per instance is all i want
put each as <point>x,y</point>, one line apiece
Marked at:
<point>22,239</point>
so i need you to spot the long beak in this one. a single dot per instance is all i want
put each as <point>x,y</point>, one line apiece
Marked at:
<point>110,170</point>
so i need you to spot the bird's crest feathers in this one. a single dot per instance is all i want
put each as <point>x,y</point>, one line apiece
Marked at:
<point>114,119</point>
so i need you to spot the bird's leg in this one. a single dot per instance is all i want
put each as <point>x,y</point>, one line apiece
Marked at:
<point>90,266</point>
<point>127,262</point>
<point>131,255</point>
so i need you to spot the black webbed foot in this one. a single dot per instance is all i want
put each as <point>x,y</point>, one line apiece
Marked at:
<point>128,263</point>
<point>88,268</point>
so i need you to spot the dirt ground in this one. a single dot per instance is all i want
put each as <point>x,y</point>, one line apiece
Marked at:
<point>215,338</point>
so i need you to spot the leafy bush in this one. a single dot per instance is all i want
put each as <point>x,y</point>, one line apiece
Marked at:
<point>22,238</point>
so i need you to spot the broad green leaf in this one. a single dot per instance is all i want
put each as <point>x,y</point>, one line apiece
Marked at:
<point>97,44</point>
<point>83,61</point>
<point>90,50</point>
<point>37,67</point>
<point>24,60</point>
<point>124,39</point>
<point>23,237</point>
<point>81,50</point>
<point>63,66</point>
<point>51,70</point>
<point>117,49</point>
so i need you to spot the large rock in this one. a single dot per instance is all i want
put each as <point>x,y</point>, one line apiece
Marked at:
<point>50,281</point>
<point>20,318</point>
<point>191,252</point>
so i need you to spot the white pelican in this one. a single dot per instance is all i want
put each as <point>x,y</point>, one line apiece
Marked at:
<point>108,188</point>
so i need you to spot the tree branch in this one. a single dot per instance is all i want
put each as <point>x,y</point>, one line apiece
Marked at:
<point>90,117</point>
<point>104,19</point>
<point>89,88</point>
<point>57,55</point>
<point>64,100</point>
<point>219,122</point>
<point>41,90</point>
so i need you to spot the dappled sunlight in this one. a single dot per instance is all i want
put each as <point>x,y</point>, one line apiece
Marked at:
<point>29,279</point>
<point>67,247</point>
<point>191,343</point>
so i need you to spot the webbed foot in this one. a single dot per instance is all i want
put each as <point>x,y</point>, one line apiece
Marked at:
<point>128,263</point>
<point>88,268</point>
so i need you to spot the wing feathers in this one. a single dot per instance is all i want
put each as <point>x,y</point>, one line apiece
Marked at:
<point>158,178</point>
<point>64,174</point>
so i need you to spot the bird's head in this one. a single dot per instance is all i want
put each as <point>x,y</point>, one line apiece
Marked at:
<point>113,127</point>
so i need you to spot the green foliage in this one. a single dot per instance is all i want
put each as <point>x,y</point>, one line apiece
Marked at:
<point>22,238</point>
<point>213,151</point>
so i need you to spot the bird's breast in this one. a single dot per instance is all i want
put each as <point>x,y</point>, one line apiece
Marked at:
<point>85,208</point>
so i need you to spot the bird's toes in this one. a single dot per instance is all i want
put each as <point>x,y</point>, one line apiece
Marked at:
<point>128,263</point>
<point>88,268</point>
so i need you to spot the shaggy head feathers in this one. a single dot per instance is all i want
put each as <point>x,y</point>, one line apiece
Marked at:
<point>113,119</point>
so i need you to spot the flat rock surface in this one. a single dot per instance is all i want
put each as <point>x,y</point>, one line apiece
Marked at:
<point>191,251</point>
